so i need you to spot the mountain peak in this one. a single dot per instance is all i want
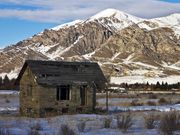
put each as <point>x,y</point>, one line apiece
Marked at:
<point>107,13</point>
<point>120,15</point>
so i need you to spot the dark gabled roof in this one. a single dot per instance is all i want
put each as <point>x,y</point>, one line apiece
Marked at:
<point>59,72</point>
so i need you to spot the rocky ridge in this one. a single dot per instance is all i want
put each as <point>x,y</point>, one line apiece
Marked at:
<point>122,44</point>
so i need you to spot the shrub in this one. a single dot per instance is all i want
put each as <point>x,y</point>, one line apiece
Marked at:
<point>7,100</point>
<point>169,123</point>
<point>151,103</point>
<point>107,122</point>
<point>136,103</point>
<point>4,131</point>
<point>162,101</point>
<point>153,96</point>
<point>34,129</point>
<point>65,130</point>
<point>81,126</point>
<point>33,132</point>
<point>36,126</point>
<point>149,121</point>
<point>124,122</point>
<point>177,102</point>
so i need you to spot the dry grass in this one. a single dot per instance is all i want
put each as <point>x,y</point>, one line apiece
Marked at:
<point>107,122</point>
<point>4,131</point>
<point>36,126</point>
<point>66,130</point>
<point>152,96</point>
<point>169,122</point>
<point>124,122</point>
<point>136,103</point>
<point>81,126</point>
<point>162,101</point>
<point>116,95</point>
<point>149,121</point>
<point>151,103</point>
<point>33,132</point>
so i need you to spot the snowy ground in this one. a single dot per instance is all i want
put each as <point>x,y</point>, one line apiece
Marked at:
<point>143,79</point>
<point>51,126</point>
<point>9,101</point>
<point>124,104</point>
<point>94,124</point>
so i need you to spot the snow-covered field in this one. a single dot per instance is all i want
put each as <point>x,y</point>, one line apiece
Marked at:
<point>94,124</point>
<point>144,80</point>
<point>162,108</point>
<point>9,101</point>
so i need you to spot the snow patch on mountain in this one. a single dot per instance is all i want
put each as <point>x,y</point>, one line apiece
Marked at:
<point>115,19</point>
<point>89,55</point>
<point>173,66</point>
<point>60,50</point>
<point>172,21</point>
<point>56,53</point>
<point>66,25</point>
<point>145,72</point>
<point>42,48</point>
<point>12,74</point>
<point>108,13</point>
<point>115,55</point>
<point>128,59</point>
<point>145,65</point>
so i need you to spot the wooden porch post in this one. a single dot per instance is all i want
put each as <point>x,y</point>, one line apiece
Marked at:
<point>94,95</point>
<point>107,98</point>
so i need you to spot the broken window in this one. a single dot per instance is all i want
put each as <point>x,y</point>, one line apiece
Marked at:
<point>29,110</point>
<point>63,92</point>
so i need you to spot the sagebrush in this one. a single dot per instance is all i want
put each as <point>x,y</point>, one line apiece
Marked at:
<point>124,122</point>
<point>169,122</point>
<point>149,121</point>
<point>66,130</point>
<point>107,122</point>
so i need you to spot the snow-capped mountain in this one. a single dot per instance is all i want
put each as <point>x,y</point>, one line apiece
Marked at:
<point>115,19</point>
<point>124,45</point>
<point>172,21</point>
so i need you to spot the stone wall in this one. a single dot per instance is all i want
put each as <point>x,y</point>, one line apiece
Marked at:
<point>29,104</point>
<point>42,102</point>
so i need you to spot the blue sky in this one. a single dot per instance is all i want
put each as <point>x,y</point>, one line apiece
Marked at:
<point>13,30</point>
<point>173,1</point>
<point>20,19</point>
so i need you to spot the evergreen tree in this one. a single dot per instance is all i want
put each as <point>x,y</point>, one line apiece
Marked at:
<point>1,82</point>
<point>166,86</point>
<point>6,82</point>
<point>158,85</point>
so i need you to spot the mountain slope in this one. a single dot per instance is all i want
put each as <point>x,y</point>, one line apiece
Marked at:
<point>121,43</point>
<point>134,49</point>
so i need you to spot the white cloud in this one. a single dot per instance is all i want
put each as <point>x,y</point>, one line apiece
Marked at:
<point>61,10</point>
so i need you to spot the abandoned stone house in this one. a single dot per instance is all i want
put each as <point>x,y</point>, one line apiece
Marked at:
<point>50,88</point>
